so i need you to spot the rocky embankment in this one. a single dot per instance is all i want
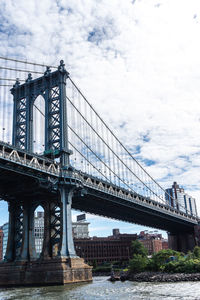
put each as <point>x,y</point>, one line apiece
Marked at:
<point>156,277</point>
<point>163,277</point>
<point>95,274</point>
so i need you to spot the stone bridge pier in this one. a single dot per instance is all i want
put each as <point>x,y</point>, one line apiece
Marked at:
<point>184,241</point>
<point>58,262</point>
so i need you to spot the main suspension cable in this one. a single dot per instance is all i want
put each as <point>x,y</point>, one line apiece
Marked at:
<point>27,62</point>
<point>20,70</point>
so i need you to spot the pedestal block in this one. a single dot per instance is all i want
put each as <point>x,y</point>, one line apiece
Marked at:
<point>197,234</point>
<point>182,241</point>
<point>45,272</point>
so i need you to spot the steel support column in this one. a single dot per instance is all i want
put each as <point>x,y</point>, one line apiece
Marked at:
<point>9,255</point>
<point>15,233</point>
<point>67,248</point>
<point>63,74</point>
<point>181,241</point>
<point>24,255</point>
<point>31,234</point>
<point>46,249</point>
<point>52,230</point>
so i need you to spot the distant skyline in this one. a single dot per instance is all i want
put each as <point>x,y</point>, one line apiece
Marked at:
<point>137,62</point>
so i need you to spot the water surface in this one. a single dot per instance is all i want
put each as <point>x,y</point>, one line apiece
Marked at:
<point>102,289</point>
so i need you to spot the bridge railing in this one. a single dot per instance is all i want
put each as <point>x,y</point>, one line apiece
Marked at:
<point>115,191</point>
<point>30,160</point>
<point>11,154</point>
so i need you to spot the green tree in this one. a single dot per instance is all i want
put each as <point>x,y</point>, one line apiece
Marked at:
<point>164,256</point>
<point>189,255</point>
<point>138,263</point>
<point>196,252</point>
<point>94,264</point>
<point>138,248</point>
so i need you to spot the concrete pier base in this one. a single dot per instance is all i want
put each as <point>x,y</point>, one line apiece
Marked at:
<point>45,272</point>
<point>183,242</point>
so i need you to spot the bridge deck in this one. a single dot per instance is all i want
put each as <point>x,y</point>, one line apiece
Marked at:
<point>25,175</point>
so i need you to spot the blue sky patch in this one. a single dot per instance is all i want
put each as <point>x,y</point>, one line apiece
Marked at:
<point>146,137</point>
<point>149,162</point>
<point>122,125</point>
<point>137,149</point>
<point>101,33</point>
<point>97,35</point>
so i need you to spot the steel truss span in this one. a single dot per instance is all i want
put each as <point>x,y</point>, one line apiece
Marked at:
<point>48,174</point>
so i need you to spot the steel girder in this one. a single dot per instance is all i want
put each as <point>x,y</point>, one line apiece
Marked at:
<point>55,227</point>
<point>18,229</point>
<point>53,140</point>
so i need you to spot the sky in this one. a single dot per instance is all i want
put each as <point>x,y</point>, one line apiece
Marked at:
<point>138,64</point>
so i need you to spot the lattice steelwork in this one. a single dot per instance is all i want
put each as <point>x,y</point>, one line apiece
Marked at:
<point>21,123</point>
<point>51,87</point>
<point>54,118</point>
<point>55,224</point>
<point>18,229</point>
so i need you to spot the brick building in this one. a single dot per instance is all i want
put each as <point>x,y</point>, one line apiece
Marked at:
<point>152,245</point>
<point>109,249</point>
<point>116,247</point>
<point>165,244</point>
<point>152,241</point>
<point>1,243</point>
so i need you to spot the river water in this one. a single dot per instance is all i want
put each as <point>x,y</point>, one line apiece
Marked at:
<point>102,289</point>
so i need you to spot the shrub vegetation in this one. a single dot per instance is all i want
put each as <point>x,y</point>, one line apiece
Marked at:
<point>169,261</point>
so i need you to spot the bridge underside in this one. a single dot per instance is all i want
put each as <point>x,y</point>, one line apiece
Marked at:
<point>129,212</point>
<point>15,187</point>
<point>182,236</point>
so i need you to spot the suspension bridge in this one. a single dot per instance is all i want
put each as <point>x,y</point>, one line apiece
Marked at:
<point>57,152</point>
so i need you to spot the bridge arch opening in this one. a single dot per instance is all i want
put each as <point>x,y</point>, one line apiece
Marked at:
<point>4,228</point>
<point>39,229</point>
<point>39,125</point>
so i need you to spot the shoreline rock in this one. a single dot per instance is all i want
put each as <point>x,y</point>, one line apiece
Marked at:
<point>152,277</point>
<point>163,277</point>
<point>97,274</point>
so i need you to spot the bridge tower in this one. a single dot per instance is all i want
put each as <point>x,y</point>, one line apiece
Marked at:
<point>58,263</point>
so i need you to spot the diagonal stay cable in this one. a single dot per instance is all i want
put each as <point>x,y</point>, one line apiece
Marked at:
<point>100,158</point>
<point>118,139</point>
<point>88,161</point>
<point>113,151</point>
<point>74,146</point>
<point>39,110</point>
